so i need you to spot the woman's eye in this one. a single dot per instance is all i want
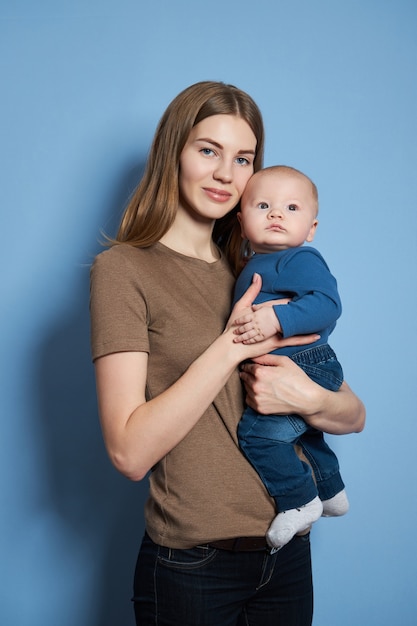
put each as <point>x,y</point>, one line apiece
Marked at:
<point>263,205</point>
<point>207,151</point>
<point>242,161</point>
<point>292,207</point>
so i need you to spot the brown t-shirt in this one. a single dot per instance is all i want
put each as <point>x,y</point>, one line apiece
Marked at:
<point>172,306</point>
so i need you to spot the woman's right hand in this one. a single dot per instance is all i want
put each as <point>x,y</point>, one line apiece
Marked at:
<point>245,305</point>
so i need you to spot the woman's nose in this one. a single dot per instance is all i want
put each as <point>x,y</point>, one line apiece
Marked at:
<point>223,172</point>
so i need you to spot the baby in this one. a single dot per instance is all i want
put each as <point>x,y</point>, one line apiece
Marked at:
<point>278,214</point>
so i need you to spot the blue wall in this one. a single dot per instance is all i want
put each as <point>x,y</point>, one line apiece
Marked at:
<point>83,86</point>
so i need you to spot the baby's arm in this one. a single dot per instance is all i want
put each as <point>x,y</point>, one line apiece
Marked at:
<point>256,326</point>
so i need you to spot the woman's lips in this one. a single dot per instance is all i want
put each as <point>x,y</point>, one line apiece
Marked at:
<point>219,195</point>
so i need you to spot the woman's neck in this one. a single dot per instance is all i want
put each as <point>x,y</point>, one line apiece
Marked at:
<point>191,238</point>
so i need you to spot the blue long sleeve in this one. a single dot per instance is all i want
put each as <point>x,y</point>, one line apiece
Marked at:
<point>302,274</point>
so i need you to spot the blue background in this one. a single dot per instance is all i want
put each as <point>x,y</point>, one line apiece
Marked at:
<point>83,84</point>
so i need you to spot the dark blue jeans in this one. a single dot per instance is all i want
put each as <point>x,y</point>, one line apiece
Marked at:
<point>204,586</point>
<point>268,442</point>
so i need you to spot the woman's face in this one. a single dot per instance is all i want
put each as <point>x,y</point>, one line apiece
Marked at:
<point>215,165</point>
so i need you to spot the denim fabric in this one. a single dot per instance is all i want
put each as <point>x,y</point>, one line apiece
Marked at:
<point>321,364</point>
<point>203,586</point>
<point>268,442</point>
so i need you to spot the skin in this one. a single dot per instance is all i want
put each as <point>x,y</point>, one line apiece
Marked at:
<point>283,388</point>
<point>278,211</point>
<point>215,166</point>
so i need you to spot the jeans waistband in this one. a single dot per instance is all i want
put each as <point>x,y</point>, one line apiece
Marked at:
<point>240,544</point>
<point>315,355</point>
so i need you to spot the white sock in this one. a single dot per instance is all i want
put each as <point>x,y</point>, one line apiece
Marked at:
<point>289,523</point>
<point>338,505</point>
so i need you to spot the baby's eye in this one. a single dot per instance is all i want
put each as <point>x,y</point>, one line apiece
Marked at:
<point>292,207</point>
<point>263,205</point>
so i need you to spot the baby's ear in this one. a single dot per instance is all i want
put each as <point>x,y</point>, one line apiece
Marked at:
<point>312,232</point>
<point>242,232</point>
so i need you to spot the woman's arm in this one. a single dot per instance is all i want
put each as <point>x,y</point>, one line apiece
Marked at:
<point>283,388</point>
<point>138,433</point>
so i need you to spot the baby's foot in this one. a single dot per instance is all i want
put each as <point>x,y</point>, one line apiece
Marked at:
<point>338,505</point>
<point>289,523</point>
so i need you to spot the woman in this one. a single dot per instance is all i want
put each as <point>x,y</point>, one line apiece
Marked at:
<point>168,387</point>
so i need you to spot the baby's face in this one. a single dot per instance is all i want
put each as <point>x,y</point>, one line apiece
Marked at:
<point>278,211</point>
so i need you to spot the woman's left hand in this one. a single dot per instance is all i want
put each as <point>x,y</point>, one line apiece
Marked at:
<point>276,385</point>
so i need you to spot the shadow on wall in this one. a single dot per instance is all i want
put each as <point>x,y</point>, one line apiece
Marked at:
<point>102,510</point>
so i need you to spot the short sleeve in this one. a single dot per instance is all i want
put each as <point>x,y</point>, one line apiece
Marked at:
<point>117,305</point>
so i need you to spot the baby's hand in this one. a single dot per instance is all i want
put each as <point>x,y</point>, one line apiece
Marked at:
<point>256,326</point>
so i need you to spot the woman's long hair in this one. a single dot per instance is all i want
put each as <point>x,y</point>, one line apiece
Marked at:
<point>153,206</point>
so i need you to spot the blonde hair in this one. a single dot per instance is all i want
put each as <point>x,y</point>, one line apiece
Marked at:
<point>153,206</point>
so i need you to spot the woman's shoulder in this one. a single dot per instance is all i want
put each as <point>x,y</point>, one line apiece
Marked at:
<point>120,255</point>
<point>118,251</point>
